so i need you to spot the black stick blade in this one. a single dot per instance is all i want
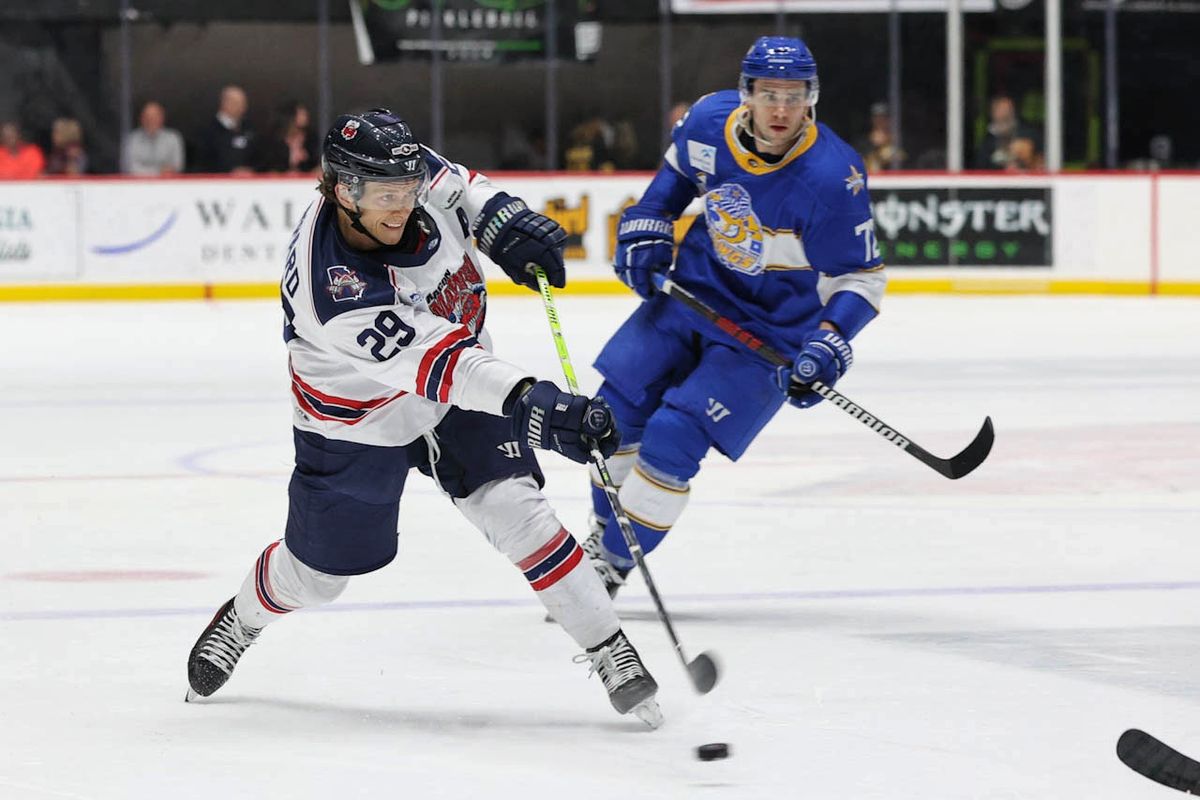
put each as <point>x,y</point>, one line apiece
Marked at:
<point>974,454</point>
<point>704,673</point>
<point>1159,762</point>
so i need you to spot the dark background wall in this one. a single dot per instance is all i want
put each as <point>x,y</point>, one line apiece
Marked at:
<point>67,64</point>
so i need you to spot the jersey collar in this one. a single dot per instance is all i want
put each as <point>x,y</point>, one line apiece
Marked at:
<point>751,162</point>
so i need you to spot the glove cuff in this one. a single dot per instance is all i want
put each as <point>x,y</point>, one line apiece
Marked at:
<point>640,226</point>
<point>838,347</point>
<point>496,213</point>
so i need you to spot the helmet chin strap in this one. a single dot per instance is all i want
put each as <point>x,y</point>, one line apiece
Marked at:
<point>356,223</point>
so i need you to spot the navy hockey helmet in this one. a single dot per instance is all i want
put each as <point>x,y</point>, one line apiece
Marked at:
<point>782,58</point>
<point>376,145</point>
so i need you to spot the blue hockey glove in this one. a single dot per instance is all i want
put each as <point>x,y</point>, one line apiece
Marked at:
<point>645,245</point>
<point>825,357</point>
<point>570,424</point>
<point>517,238</point>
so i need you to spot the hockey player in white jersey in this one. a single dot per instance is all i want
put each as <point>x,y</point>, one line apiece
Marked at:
<point>384,304</point>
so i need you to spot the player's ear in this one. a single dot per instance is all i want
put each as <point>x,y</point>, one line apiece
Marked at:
<point>342,192</point>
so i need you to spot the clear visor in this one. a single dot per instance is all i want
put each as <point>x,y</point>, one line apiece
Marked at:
<point>800,94</point>
<point>397,194</point>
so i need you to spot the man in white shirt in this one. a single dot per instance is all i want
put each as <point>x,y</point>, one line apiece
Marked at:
<point>153,149</point>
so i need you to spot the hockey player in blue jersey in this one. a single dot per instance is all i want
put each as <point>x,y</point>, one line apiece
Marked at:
<point>391,369</point>
<point>785,247</point>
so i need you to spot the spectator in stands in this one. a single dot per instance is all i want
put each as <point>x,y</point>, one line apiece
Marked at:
<point>151,148</point>
<point>226,143</point>
<point>19,160</point>
<point>590,146</point>
<point>878,150</point>
<point>292,145</point>
<point>67,156</point>
<point>1023,156</point>
<point>1004,128</point>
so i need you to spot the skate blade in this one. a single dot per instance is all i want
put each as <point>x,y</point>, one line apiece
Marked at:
<point>649,712</point>
<point>191,696</point>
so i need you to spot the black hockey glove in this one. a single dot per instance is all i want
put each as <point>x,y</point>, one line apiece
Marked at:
<point>570,424</point>
<point>518,238</point>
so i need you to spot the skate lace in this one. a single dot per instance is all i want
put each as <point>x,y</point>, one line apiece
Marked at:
<point>595,552</point>
<point>616,663</point>
<point>227,641</point>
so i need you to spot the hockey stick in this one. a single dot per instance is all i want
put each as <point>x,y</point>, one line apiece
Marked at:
<point>702,669</point>
<point>955,467</point>
<point>1159,762</point>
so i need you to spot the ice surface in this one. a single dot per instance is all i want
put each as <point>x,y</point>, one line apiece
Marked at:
<point>884,632</point>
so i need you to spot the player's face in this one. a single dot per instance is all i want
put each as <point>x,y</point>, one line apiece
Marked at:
<point>386,205</point>
<point>779,109</point>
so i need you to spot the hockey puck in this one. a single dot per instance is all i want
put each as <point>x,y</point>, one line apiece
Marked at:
<point>712,752</point>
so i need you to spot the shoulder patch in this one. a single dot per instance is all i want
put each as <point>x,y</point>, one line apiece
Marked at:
<point>702,156</point>
<point>344,284</point>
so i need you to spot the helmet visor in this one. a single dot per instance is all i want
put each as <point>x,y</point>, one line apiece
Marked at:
<point>796,95</point>
<point>392,194</point>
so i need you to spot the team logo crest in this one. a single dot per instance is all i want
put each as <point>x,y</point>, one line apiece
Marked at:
<point>344,284</point>
<point>461,297</point>
<point>350,129</point>
<point>736,233</point>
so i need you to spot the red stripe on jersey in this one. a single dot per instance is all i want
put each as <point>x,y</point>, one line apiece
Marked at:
<point>437,178</point>
<point>432,354</point>
<point>555,575</point>
<point>448,375</point>
<point>344,402</point>
<point>307,408</point>
<point>549,547</point>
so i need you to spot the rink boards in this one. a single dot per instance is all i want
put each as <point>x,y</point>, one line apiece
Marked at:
<point>197,237</point>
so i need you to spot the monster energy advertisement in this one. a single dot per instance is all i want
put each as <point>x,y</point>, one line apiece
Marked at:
<point>964,227</point>
<point>473,30</point>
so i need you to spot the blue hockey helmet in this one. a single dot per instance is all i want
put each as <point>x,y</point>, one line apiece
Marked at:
<point>376,145</point>
<point>783,58</point>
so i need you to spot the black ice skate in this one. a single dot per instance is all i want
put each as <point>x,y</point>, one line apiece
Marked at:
<point>217,651</point>
<point>612,576</point>
<point>630,687</point>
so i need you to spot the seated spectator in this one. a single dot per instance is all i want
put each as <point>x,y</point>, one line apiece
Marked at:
<point>67,156</point>
<point>589,147</point>
<point>19,160</point>
<point>227,143</point>
<point>1023,156</point>
<point>292,146</point>
<point>1005,126</point>
<point>878,150</point>
<point>152,148</point>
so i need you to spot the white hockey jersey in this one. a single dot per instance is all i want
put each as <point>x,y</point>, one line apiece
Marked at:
<point>381,344</point>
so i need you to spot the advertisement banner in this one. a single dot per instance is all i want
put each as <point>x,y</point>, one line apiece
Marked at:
<point>37,232</point>
<point>471,30</point>
<point>967,227</point>
<point>190,229</point>
<point>820,6</point>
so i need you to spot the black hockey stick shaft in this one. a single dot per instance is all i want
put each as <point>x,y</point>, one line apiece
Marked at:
<point>703,669</point>
<point>1159,762</point>
<point>954,467</point>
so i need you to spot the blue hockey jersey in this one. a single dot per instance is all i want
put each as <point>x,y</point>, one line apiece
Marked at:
<point>779,246</point>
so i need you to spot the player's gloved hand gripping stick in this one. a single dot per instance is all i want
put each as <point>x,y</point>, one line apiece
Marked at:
<point>702,669</point>
<point>955,467</point>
